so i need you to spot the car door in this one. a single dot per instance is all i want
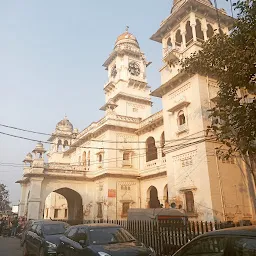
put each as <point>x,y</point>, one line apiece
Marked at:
<point>29,240</point>
<point>205,246</point>
<point>80,243</point>
<point>67,241</point>
<point>38,239</point>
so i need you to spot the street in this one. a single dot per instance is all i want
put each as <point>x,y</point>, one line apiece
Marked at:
<point>10,246</point>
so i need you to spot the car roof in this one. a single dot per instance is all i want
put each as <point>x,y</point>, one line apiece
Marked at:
<point>241,231</point>
<point>98,225</point>
<point>48,222</point>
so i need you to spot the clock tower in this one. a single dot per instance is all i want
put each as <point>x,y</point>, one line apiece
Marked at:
<point>127,92</point>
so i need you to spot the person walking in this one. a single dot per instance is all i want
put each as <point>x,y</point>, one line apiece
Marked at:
<point>15,224</point>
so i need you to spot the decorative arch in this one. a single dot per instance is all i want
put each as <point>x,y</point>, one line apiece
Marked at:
<point>181,119</point>
<point>190,203</point>
<point>189,34</point>
<point>169,44</point>
<point>153,197</point>
<point>210,31</point>
<point>199,32</point>
<point>162,143</point>
<point>65,144</point>
<point>59,146</point>
<point>178,38</point>
<point>151,150</point>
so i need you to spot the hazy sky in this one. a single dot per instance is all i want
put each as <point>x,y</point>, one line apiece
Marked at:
<point>51,56</point>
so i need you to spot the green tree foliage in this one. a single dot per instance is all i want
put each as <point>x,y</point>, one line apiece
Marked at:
<point>231,60</point>
<point>4,198</point>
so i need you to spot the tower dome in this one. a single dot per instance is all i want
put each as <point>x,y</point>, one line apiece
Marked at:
<point>127,37</point>
<point>64,126</point>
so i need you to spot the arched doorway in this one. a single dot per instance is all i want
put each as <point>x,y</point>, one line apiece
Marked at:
<point>153,198</point>
<point>64,203</point>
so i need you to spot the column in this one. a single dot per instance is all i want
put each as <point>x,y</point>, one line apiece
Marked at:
<point>194,31</point>
<point>193,25</point>
<point>22,203</point>
<point>34,202</point>
<point>173,40</point>
<point>204,28</point>
<point>183,34</point>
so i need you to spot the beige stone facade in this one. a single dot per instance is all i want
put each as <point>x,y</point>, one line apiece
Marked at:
<point>132,158</point>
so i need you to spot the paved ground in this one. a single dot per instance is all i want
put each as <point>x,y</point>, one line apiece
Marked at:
<point>10,246</point>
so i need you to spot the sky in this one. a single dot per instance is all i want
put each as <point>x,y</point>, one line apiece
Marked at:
<point>51,56</point>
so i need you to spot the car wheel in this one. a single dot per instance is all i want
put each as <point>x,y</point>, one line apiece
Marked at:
<point>25,250</point>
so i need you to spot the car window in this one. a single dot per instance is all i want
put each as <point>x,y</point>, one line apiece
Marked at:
<point>244,246</point>
<point>109,235</point>
<point>54,229</point>
<point>71,233</point>
<point>214,246</point>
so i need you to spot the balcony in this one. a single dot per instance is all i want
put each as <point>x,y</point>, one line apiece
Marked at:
<point>171,56</point>
<point>182,128</point>
<point>178,104</point>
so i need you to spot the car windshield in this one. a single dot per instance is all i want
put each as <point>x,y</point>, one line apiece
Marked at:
<point>109,236</point>
<point>54,229</point>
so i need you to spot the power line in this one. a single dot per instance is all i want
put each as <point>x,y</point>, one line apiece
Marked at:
<point>95,140</point>
<point>88,147</point>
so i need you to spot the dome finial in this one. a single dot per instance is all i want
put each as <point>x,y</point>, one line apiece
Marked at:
<point>127,28</point>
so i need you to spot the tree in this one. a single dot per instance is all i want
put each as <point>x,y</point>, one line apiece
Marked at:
<point>4,198</point>
<point>231,60</point>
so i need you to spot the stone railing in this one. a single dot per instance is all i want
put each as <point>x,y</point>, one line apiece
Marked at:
<point>151,119</point>
<point>64,167</point>
<point>128,119</point>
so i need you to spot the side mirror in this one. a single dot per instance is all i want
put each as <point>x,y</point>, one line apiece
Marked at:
<point>82,243</point>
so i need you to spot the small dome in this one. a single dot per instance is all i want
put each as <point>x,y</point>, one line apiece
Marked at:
<point>28,158</point>
<point>127,37</point>
<point>39,148</point>
<point>64,126</point>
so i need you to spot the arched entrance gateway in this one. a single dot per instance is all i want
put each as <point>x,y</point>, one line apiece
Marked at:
<point>64,203</point>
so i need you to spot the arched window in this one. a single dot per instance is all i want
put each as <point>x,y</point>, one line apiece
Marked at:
<point>162,143</point>
<point>59,146</point>
<point>210,31</point>
<point>190,204</point>
<point>181,118</point>
<point>199,32</point>
<point>169,44</point>
<point>100,158</point>
<point>89,160</point>
<point>151,150</point>
<point>84,159</point>
<point>178,38</point>
<point>189,34</point>
<point>126,156</point>
<point>153,198</point>
<point>65,145</point>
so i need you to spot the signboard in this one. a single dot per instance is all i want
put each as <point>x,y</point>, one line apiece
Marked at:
<point>111,193</point>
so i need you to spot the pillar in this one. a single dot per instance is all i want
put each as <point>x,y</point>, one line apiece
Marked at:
<point>34,202</point>
<point>173,40</point>
<point>194,31</point>
<point>204,28</point>
<point>22,204</point>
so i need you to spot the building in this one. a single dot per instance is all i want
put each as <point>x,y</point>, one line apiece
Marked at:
<point>132,158</point>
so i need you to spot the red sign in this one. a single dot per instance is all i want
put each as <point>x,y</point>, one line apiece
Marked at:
<point>112,193</point>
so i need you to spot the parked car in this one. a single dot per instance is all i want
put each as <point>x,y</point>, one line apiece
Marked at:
<point>228,242</point>
<point>100,240</point>
<point>43,237</point>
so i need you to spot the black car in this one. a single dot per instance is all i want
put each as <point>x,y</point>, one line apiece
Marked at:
<point>100,240</point>
<point>43,238</point>
<point>226,242</point>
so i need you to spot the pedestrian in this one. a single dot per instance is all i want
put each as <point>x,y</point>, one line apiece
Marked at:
<point>15,224</point>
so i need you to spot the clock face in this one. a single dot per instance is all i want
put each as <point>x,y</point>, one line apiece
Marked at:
<point>113,71</point>
<point>134,68</point>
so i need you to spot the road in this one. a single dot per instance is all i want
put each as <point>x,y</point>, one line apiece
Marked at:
<point>10,246</point>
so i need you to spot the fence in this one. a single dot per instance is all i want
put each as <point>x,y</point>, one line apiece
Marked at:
<point>165,237</point>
